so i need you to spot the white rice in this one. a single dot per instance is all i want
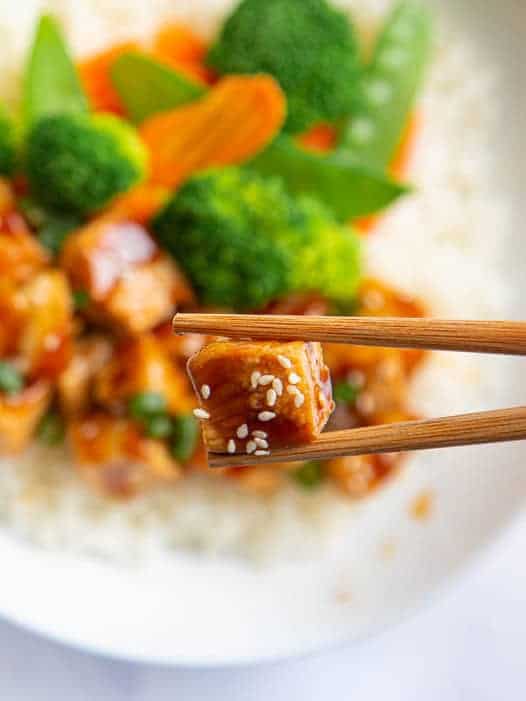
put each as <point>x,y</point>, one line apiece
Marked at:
<point>442,244</point>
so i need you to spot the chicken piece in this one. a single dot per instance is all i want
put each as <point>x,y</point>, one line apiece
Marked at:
<point>20,415</point>
<point>45,340</point>
<point>181,347</point>
<point>129,282</point>
<point>74,386</point>
<point>375,299</point>
<point>21,254</point>
<point>113,456</point>
<point>142,365</point>
<point>259,396</point>
<point>358,475</point>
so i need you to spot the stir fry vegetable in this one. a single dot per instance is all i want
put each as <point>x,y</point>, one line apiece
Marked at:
<point>307,45</point>
<point>51,83</point>
<point>236,120</point>
<point>349,188</point>
<point>390,85</point>
<point>7,143</point>
<point>147,87</point>
<point>78,163</point>
<point>233,220</point>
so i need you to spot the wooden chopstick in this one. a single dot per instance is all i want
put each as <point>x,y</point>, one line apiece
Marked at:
<point>506,337</point>
<point>465,429</point>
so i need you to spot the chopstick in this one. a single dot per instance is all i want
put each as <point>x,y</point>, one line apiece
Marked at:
<point>465,429</point>
<point>502,337</point>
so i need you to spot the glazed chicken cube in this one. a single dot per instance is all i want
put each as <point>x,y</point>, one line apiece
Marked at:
<point>20,415</point>
<point>128,280</point>
<point>114,457</point>
<point>21,255</point>
<point>258,396</point>
<point>45,340</point>
<point>142,365</point>
<point>89,356</point>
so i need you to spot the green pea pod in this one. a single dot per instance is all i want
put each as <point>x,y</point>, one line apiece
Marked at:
<point>51,83</point>
<point>347,187</point>
<point>146,86</point>
<point>390,85</point>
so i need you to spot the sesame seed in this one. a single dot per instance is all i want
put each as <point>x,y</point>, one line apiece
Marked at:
<point>262,452</point>
<point>206,391</point>
<point>277,386</point>
<point>261,443</point>
<point>266,415</point>
<point>356,377</point>
<point>299,400</point>
<point>271,397</point>
<point>259,434</point>
<point>266,380</point>
<point>365,403</point>
<point>284,362</point>
<point>251,447</point>
<point>201,414</point>
<point>242,431</point>
<point>231,447</point>
<point>292,390</point>
<point>254,379</point>
<point>294,378</point>
<point>51,342</point>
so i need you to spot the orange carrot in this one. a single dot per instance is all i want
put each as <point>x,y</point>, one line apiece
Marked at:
<point>140,203</point>
<point>322,137</point>
<point>178,47</point>
<point>95,76</point>
<point>399,165</point>
<point>235,121</point>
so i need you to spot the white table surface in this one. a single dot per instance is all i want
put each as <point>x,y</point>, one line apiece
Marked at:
<point>469,646</point>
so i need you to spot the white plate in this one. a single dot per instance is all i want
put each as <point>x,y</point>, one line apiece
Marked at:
<point>192,611</point>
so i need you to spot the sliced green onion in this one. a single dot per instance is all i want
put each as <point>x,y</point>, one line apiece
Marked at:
<point>390,85</point>
<point>346,392</point>
<point>11,380</point>
<point>80,299</point>
<point>51,429</point>
<point>184,437</point>
<point>309,475</point>
<point>144,405</point>
<point>159,426</point>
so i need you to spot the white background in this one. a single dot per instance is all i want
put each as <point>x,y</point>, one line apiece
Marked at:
<point>468,646</point>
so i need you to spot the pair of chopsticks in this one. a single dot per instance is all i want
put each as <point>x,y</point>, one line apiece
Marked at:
<point>500,337</point>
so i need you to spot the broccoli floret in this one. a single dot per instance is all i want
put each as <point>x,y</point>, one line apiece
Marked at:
<point>7,143</point>
<point>78,163</point>
<point>243,241</point>
<point>307,45</point>
<point>328,254</point>
<point>213,231</point>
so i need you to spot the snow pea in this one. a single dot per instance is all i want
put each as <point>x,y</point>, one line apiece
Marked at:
<point>51,83</point>
<point>349,188</point>
<point>389,85</point>
<point>146,86</point>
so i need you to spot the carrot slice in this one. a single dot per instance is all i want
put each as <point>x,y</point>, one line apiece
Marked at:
<point>95,76</point>
<point>321,137</point>
<point>236,120</point>
<point>179,47</point>
<point>140,203</point>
